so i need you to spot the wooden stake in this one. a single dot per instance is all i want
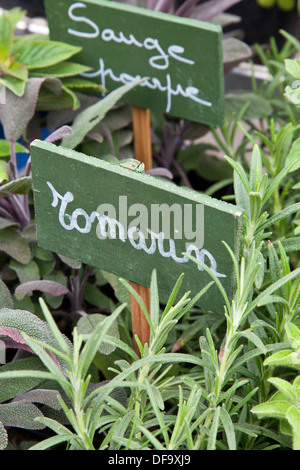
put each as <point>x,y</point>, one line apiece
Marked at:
<point>143,153</point>
<point>142,136</point>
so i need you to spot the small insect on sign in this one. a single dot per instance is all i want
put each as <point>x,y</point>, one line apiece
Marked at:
<point>180,58</point>
<point>129,223</point>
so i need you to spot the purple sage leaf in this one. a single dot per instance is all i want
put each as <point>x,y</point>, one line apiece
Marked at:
<point>61,133</point>
<point>207,11</point>
<point>17,111</point>
<point>162,172</point>
<point>50,287</point>
<point>43,396</point>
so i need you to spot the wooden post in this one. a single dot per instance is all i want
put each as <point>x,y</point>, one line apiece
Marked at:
<point>143,153</point>
<point>142,136</point>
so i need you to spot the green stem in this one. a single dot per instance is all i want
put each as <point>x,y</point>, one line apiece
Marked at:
<point>80,415</point>
<point>201,437</point>
<point>277,208</point>
<point>13,158</point>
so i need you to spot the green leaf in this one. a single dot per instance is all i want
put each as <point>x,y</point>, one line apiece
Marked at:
<point>259,278</point>
<point>201,158</point>
<point>86,326</point>
<point>139,300</point>
<point>154,299</point>
<point>293,94</point>
<point>42,254</point>
<point>255,205</point>
<point>240,171</point>
<point>294,156</point>
<point>283,142</point>
<point>21,415</point>
<point>47,101</point>
<point>293,334</point>
<point>6,300</point>
<point>158,405</point>
<point>149,435</point>
<point>254,339</point>
<point>283,386</point>
<point>25,272</point>
<point>95,297</point>
<point>61,70</point>
<point>241,194</point>
<point>15,15</point>
<point>11,387</point>
<point>272,288</point>
<point>228,428</point>
<point>14,245</point>
<point>234,50</point>
<point>291,244</point>
<point>275,266</point>
<point>6,37</point>
<point>40,54</point>
<point>258,105</point>
<point>124,424</point>
<point>15,85</point>
<point>156,396</point>
<point>74,264</point>
<point>212,437</point>
<point>293,67</point>
<point>4,223</point>
<point>82,84</point>
<point>4,178</point>
<point>42,396</point>
<point>3,437</point>
<point>284,213</point>
<point>255,169</point>
<point>19,186</point>
<point>52,441</point>
<point>5,148</point>
<point>290,39</point>
<point>75,99</point>
<point>59,337</point>
<point>274,409</point>
<point>20,322</point>
<point>16,69</point>
<point>95,340</point>
<point>284,358</point>
<point>39,349</point>
<point>91,116</point>
<point>120,290</point>
<point>293,417</point>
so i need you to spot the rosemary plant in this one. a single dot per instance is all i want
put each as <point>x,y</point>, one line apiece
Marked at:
<point>171,401</point>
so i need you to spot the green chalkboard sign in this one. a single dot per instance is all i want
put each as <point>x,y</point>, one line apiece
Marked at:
<point>128,223</point>
<point>180,57</point>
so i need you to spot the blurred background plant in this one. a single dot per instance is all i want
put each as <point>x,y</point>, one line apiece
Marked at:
<point>285,5</point>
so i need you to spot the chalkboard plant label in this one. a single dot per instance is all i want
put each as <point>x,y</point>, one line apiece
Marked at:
<point>180,57</point>
<point>128,223</point>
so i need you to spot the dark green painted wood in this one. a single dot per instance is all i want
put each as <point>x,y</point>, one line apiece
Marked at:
<point>168,50</point>
<point>93,182</point>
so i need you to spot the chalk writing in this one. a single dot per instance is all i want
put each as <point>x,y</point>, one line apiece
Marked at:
<point>160,60</point>
<point>110,227</point>
<point>149,44</point>
<point>152,83</point>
